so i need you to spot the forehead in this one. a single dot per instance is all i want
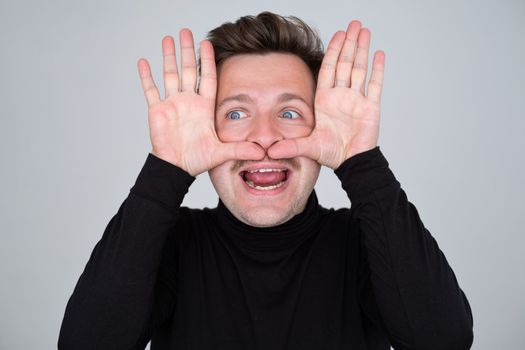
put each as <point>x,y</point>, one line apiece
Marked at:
<point>264,75</point>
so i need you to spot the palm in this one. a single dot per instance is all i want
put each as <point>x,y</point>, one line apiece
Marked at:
<point>164,122</point>
<point>346,119</point>
<point>182,129</point>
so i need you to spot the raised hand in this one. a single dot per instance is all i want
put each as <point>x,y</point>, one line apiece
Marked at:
<point>346,119</point>
<point>181,125</point>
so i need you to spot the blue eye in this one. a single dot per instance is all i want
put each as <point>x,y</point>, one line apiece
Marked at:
<point>290,114</point>
<point>236,115</point>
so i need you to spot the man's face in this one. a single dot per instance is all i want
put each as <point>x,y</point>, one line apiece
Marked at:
<point>264,99</point>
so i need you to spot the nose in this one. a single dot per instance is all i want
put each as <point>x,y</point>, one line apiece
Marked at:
<point>264,131</point>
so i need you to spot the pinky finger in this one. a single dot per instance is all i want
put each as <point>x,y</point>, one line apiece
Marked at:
<point>375,84</point>
<point>148,85</point>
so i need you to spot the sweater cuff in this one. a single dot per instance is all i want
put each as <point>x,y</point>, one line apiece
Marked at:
<point>364,173</point>
<point>162,182</point>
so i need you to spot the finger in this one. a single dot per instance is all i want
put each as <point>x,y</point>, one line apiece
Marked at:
<point>347,56</point>
<point>148,85</point>
<point>208,81</point>
<point>361,61</point>
<point>240,151</point>
<point>375,85</point>
<point>298,147</point>
<point>188,64</point>
<point>327,71</point>
<point>171,74</point>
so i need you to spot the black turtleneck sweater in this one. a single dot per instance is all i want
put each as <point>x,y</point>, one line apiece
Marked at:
<point>358,278</point>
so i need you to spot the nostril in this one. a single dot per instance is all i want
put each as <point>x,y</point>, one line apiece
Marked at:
<point>275,142</point>
<point>264,135</point>
<point>265,145</point>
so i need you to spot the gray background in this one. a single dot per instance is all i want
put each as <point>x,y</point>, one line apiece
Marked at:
<point>74,137</point>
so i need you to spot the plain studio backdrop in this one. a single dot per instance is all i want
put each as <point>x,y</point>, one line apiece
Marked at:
<point>74,136</point>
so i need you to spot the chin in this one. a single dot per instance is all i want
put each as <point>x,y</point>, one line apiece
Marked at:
<point>263,217</point>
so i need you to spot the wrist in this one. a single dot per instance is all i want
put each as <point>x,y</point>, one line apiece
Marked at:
<point>357,150</point>
<point>168,157</point>
<point>364,173</point>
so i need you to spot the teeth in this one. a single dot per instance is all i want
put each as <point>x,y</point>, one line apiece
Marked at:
<point>264,188</point>
<point>265,170</point>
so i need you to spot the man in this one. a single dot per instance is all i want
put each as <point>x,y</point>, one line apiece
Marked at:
<point>268,268</point>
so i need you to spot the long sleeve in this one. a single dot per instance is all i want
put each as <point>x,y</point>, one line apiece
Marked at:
<point>111,305</point>
<point>410,281</point>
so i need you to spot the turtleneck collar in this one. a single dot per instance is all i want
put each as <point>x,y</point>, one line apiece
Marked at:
<point>280,237</point>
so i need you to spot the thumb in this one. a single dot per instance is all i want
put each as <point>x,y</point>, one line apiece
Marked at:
<point>291,148</point>
<point>239,150</point>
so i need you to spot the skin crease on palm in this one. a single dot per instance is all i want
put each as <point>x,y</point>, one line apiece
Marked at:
<point>272,97</point>
<point>260,115</point>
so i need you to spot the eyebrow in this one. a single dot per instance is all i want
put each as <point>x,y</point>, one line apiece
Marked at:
<point>284,97</point>
<point>238,98</point>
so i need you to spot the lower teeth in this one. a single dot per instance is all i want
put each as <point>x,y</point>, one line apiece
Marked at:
<point>264,188</point>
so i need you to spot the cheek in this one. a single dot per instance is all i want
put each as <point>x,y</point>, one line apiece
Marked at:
<point>290,131</point>
<point>233,133</point>
<point>310,169</point>
<point>220,176</point>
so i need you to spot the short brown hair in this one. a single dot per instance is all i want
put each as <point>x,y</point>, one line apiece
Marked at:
<point>268,32</point>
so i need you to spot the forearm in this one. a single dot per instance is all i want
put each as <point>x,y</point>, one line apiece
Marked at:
<point>111,305</point>
<point>416,291</point>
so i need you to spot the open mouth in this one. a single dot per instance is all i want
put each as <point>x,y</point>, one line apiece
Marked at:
<point>265,179</point>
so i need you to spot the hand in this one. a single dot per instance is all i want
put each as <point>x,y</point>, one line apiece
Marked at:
<point>346,120</point>
<point>182,129</point>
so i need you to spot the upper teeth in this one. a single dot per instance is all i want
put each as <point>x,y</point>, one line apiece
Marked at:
<point>265,170</point>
